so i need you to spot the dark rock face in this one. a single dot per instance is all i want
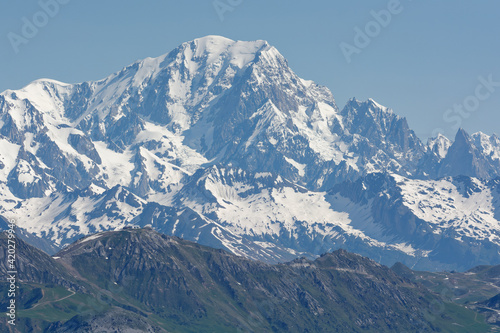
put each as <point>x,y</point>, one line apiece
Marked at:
<point>84,146</point>
<point>25,183</point>
<point>10,130</point>
<point>464,158</point>
<point>35,266</point>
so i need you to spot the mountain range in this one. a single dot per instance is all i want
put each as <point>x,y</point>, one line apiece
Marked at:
<point>143,281</point>
<point>221,143</point>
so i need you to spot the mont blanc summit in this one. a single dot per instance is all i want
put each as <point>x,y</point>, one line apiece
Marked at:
<point>220,142</point>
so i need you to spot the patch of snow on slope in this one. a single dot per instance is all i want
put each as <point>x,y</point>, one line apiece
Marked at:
<point>271,211</point>
<point>60,218</point>
<point>8,156</point>
<point>171,148</point>
<point>300,167</point>
<point>26,174</point>
<point>89,238</point>
<point>315,127</point>
<point>117,167</point>
<point>441,204</point>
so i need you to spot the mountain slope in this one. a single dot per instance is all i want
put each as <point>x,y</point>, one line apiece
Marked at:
<point>452,223</point>
<point>184,287</point>
<point>35,266</point>
<point>265,217</point>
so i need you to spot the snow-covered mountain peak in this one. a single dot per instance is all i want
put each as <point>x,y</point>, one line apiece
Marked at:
<point>489,145</point>
<point>41,96</point>
<point>471,156</point>
<point>36,87</point>
<point>380,124</point>
<point>480,137</point>
<point>220,142</point>
<point>240,53</point>
<point>357,111</point>
<point>370,103</point>
<point>439,137</point>
<point>462,135</point>
<point>42,84</point>
<point>379,106</point>
<point>439,145</point>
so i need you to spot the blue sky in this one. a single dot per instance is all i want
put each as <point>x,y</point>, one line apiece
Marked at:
<point>426,63</point>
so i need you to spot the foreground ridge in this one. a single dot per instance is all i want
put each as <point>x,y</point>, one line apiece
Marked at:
<point>159,283</point>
